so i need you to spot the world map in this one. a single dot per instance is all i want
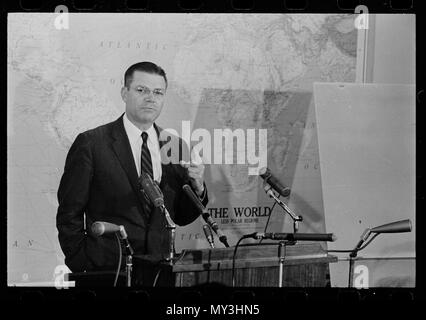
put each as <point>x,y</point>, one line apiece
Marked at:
<point>225,71</point>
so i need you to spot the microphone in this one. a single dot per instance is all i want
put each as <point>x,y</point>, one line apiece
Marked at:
<point>100,228</point>
<point>209,235</point>
<point>195,200</point>
<point>393,227</point>
<point>151,190</point>
<point>205,214</point>
<point>266,175</point>
<point>293,236</point>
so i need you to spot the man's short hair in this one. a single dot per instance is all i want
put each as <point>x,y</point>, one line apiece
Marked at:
<point>144,66</point>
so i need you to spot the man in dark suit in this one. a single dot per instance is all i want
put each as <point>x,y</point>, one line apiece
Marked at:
<point>101,179</point>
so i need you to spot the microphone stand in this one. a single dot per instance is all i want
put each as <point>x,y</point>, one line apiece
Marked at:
<point>354,253</point>
<point>296,218</point>
<point>172,230</point>
<point>129,264</point>
<point>282,244</point>
<point>129,256</point>
<point>281,257</point>
<point>352,258</point>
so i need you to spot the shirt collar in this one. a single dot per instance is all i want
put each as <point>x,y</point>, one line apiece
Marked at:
<point>134,133</point>
<point>151,133</point>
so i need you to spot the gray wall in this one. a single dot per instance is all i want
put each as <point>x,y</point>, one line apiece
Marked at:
<point>391,53</point>
<point>393,47</point>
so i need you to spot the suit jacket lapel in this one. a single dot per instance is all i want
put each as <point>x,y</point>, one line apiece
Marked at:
<point>122,149</point>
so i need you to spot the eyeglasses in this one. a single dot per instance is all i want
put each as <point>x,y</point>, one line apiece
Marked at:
<point>157,93</point>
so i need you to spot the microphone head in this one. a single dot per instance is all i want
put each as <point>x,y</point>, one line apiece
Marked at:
<point>264,172</point>
<point>98,228</point>
<point>333,237</point>
<point>394,227</point>
<point>274,182</point>
<point>151,190</point>
<point>186,188</point>
<point>101,227</point>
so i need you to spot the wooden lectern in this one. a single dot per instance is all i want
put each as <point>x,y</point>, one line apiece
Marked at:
<point>305,265</point>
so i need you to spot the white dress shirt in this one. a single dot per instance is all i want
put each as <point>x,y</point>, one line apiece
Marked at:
<point>134,134</point>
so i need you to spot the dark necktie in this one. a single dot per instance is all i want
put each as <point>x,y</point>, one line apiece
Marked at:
<point>146,166</point>
<point>146,163</point>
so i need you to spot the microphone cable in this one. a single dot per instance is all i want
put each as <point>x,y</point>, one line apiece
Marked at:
<point>269,217</point>
<point>180,257</point>
<point>244,245</point>
<point>156,277</point>
<point>233,261</point>
<point>234,255</point>
<point>119,261</point>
